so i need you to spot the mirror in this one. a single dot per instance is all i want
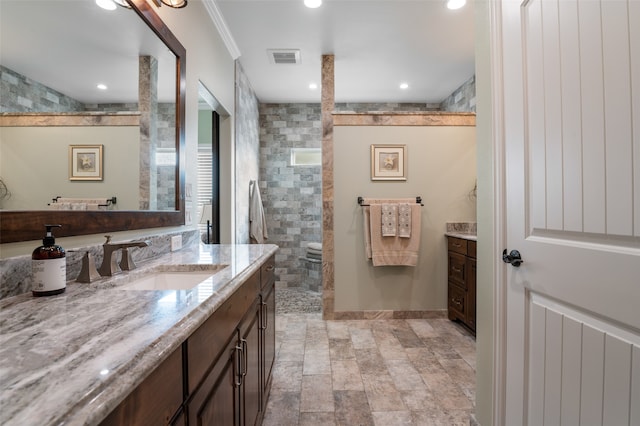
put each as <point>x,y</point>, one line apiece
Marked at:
<point>26,225</point>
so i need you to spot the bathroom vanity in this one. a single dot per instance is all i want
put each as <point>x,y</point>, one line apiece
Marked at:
<point>461,294</point>
<point>109,353</point>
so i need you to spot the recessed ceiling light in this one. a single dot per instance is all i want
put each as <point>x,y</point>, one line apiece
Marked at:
<point>456,4</point>
<point>404,86</point>
<point>106,4</point>
<point>312,4</point>
<point>102,86</point>
<point>313,86</point>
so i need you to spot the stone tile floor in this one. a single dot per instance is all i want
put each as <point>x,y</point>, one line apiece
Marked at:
<point>371,372</point>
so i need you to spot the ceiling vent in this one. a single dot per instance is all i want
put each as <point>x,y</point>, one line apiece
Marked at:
<point>284,56</point>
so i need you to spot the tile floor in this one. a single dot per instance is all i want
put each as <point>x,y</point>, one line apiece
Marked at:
<point>371,372</point>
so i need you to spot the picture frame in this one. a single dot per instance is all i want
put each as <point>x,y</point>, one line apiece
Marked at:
<point>85,162</point>
<point>389,162</point>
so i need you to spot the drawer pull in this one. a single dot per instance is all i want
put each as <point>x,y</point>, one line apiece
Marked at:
<point>456,269</point>
<point>269,268</point>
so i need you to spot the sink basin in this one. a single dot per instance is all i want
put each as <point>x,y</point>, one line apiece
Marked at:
<point>169,281</point>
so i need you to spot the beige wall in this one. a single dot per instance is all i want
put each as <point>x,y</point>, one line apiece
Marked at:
<point>488,248</point>
<point>35,165</point>
<point>442,170</point>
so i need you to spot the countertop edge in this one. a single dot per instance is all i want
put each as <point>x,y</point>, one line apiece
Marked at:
<point>470,237</point>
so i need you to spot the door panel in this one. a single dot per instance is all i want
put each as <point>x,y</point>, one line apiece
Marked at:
<point>581,367</point>
<point>572,142</point>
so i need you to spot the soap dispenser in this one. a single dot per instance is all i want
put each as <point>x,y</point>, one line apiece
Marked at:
<point>48,266</point>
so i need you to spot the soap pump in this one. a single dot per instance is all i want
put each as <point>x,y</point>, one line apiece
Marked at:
<point>48,266</point>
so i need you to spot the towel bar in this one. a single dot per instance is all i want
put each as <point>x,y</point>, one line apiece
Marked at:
<point>361,201</point>
<point>110,201</point>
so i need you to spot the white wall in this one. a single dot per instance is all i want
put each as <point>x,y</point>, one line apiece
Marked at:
<point>442,170</point>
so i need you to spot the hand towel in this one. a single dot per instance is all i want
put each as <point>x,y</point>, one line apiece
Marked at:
<point>257,220</point>
<point>386,251</point>
<point>389,219</point>
<point>404,220</point>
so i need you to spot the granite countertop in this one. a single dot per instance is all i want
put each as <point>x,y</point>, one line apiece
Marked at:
<point>463,235</point>
<point>72,358</point>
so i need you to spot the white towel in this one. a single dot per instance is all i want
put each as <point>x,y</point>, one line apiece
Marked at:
<point>389,220</point>
<point>404,220</point>
<point>103,201</point>
<point>257,220</point>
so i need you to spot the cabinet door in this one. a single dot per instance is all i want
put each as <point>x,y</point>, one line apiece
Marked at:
<point>268,343</point>
<point>471,293</point>
<point>250,389</point>
<point>156,400</point>
<point>217,400</point>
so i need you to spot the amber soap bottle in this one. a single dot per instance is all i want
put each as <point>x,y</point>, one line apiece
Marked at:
<point>49,266</point>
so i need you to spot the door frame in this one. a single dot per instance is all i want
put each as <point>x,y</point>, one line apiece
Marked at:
<point>499,218</point>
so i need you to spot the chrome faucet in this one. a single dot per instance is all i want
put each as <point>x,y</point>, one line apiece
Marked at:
<point>109,264</point>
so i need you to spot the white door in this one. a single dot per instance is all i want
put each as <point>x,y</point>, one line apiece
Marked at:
<point>571,120</point>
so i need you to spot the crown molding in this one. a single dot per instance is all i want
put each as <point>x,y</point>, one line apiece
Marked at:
<point>221,26</point>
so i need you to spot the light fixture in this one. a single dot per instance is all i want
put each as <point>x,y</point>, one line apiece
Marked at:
<point>106,4</point>
<point>456,4</point>
<point>122,3</point>
<point>313,86</point>
<point>176,4</point>
<point>404,86</point>
<point>102,86</point>
<point>205,218</point>
<point>312,4</point>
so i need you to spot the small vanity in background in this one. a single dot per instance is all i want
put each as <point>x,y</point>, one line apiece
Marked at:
<point>461,288</point>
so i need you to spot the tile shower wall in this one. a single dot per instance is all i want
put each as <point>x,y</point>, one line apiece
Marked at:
<point>21,94</point>
<point>247,151</point>
<point>463,99</point>
<point>292,195</point>
<point>385,107</point>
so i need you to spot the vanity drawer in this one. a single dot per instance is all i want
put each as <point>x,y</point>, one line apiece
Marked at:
<point>457,245</point>
<point>267,272</point>
<point>457,303</point>
<point>458,269</point>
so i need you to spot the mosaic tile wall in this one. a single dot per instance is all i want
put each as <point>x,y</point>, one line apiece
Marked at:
<point>463,99</point>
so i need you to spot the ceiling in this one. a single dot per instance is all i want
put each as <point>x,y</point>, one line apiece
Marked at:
<point>377,45</point>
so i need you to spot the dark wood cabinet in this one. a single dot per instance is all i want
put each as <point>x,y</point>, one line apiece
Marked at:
<point>157,400</point>
<point>461,293</point>
<point>221,375</point>
<point>267,327</point>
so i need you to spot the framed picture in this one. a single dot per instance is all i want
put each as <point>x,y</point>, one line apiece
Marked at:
<point>388,162</point>
<point>85,162</point>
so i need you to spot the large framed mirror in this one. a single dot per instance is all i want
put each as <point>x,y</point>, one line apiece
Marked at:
<point>150,48</point>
